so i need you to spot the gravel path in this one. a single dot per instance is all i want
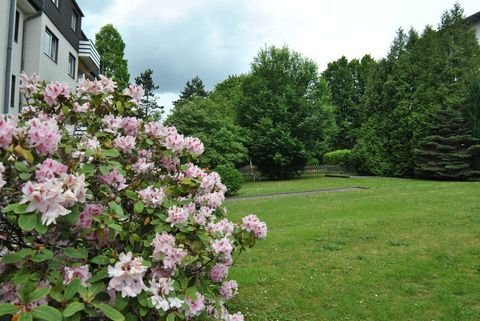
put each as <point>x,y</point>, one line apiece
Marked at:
<point>326,190</point>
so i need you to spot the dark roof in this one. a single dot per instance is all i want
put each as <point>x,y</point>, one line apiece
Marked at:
<point>75,4</point>
<point>474,17</point>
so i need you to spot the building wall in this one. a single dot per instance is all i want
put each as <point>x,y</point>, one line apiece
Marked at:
<point>476,26</point>
<point>4,16</point>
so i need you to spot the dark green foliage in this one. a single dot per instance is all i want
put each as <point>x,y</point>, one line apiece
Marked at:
<point>338,157</point>
<point>207,119</point>
<point>231,178</point>
<point>111,48</point>
<point>286,111</point>
<point>346,81</point>
<point>472,110</point>
<point>448,149</point>
<point>193,88</point>
<point>149,101</point>
<point>420,75</point>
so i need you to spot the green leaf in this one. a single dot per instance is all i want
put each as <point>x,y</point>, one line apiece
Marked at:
<point>25,176</point>
<point>38,294</point>
<point>24,153</point>
<point>101,260</point>
<point>111,153</point>
<point>20,209</point>
<point>115,227</point>
<point>47,313</point>
<point>73,308</point>
<point>131,195</point>
<point>109,312</point>
<point>88,169</point>
<point>105,169</point>
<point>10,208</point>
<point>7,308</point>
<point>117,209</point>
<point>26,316</point>
<point>40,228</point>
<point>71,289</point>
<point>78,253</point>
<point>11,258</point>
<point>138,208</point>
<point>42,255</point>
<point>28,222</point>
<point>100,275</point>
<point>192,293</point>
<point>20,166</point>
<point>171,317</point>
<point>72,217</point>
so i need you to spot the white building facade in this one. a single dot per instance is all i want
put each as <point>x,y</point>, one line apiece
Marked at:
<point>42,37</point>
<point>474,19</point>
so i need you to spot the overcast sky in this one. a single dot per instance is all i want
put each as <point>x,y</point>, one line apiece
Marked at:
<point>180,39</point>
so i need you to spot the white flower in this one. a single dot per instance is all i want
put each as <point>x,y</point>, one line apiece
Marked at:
<point>127,275</point>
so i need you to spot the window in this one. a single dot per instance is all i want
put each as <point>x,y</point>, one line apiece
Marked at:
<point>17,21</point>
<point>50,45</point>
<point>73,22</point>
<point>71,65</point>
<point>12,91</point>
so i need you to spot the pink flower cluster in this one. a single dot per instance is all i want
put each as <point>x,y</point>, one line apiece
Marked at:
<point>7,130</point>
<point>2,170</point>
<point>115,180</point>
<point>82,272</point>
<point>125,143</point>
<point>223,227</point>
<point>195,307</point>
<point>127,275</point>
<point>49,169</point>
<point>152,196</point>
<point>160,288</point>
<point>222,246</point>
<point>55,90</point>
<point>229,289</point>
<point>85,218</point>
<point>194,146</point>
<point>142,166</point>
<point>135,92</point>
<point>95,87</point>
<point>28,85</point>
<point>252,224</point>
<point>177,215</point>
<point>219,272</point>
<point>83,108</point>
<point>165,250</point>
<point>52,196</point>
<point>43,134</point>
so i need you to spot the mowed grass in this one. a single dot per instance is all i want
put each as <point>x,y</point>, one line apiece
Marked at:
<point>401,250</point>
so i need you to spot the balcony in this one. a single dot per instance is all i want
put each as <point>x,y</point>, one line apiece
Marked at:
<point>89,56</point>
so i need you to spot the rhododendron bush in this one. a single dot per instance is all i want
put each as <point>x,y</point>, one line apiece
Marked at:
<point>106,216</point>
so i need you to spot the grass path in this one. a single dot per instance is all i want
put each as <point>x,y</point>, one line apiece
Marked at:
<point>325,190</point>
<point>401,250</point>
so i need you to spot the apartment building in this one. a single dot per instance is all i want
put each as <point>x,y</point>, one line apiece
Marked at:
<point>474,19</point>
<point>43,37</point>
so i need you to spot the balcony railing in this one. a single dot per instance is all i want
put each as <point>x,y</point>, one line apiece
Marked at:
<point>88,54</point>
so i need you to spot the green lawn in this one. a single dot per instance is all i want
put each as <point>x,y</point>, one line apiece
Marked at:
<point>401,250</point>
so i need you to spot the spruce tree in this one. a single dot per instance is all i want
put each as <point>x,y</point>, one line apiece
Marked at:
<point>193,88</point>
<point>149,103</point>
<point>448,150</point>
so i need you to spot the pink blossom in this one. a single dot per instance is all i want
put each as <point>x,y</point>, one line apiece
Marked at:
<point>83,108</point>
<point>175,142</point>
<point>135,92</point>
<point>194,146</point>
<point>127,275</point>
<point>195,307</point>
<point>173,257</point>
<point>2,170</point>
<point>45,197</point>
<point>50,168</point>
<point>145,153</point>
<point>28,85</point>
<point>252,224</point>
<point>7,130</point>
<point>114,179</point>
<point>221,246</point>
<point>76,189</point>
<point>201,216</point>
<point>170,163</point>
<point>112,123</point>
<point>43,135</point>
<point>234,317</point>
<point>224,227</point>
<point>165,250</point>
<point>143,166</point>
<point>155,130</point>
<point>219,272</point>
<point>108,85</point>
<point>229,289</point>
<point>54,90</point>
<point>81,272</point>
<point>177,215</point>
<point>86,216</point>
<point>125,143</point>
<point>213,200</point>
<point>152,196</point>
<point>194,171</point>
<point>89,143</point>
<point>162,243</point>
<point>130,125</point>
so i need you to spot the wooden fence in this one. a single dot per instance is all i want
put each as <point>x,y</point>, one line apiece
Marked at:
<point>252,173</point>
